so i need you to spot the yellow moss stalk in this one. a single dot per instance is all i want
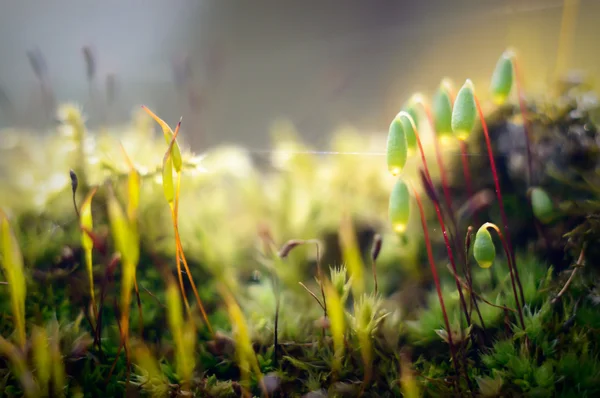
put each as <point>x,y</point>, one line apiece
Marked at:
<point>87,223</point>
<point>181,331</point>
<point>12,263</point>
<point>408,384</point>
<point>127,244</point>
<point>58,367</point>
<point>337,323</point>
<point>41,358</point>
<point>245,354</point>
<point>352,257</point>
<point>19,367</point>
<point>133,201</point>
<point>172,159</point>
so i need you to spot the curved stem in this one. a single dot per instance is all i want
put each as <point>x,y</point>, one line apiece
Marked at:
<point>178,263</point>
<point>511,267</point>
<point>523,109</point>
<point>436,279</point>
<point>440,220</point>
<point>498,193</point>
<point>194,290</point>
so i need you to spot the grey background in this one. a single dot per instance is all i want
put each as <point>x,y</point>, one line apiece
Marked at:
<point>321,64</point>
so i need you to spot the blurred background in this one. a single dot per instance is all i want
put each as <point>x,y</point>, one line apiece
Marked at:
<point>231,68</point>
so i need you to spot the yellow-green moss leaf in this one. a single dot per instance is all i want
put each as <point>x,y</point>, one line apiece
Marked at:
<point>337,324</point>
<point>168,133</point>
<point>12,263</point>
<point>41,357</point>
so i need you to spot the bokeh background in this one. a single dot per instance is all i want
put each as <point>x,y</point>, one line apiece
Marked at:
<point>231,68</point>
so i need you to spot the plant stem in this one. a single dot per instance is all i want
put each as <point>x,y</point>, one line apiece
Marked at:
<point>442,224</point>
<point>467,174</point>
<point>440,162</point>
<point>178,263</point>
<point>468,275</point>
<point>179,250</point>
<point>498,194</point>
<point>436,279</point>
<point>578,265</point>
<point>523,109</point>
<point>511,268</point>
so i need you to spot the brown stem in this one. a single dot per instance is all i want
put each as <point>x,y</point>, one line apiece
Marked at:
<point>312,294</point>
<point>499,194</point>
<point>578,265</point>
<point>139,305</point>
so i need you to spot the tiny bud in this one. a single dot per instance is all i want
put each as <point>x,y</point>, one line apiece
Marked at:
<point>468,238</point>
<point>377,242</point>
<point>289,246</point>
<point>74,181</point>
<point>90,62</point>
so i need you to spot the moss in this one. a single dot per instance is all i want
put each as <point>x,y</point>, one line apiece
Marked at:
<point>232,220</point>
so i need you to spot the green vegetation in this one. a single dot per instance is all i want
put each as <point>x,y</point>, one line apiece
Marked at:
<point>98,263</point>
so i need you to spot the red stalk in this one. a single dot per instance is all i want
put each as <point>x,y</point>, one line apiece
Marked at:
<point>436,279</point>
<point>442,224</point>
<point>511,267</point>
<point>440,162</point>
<point>499,194</point>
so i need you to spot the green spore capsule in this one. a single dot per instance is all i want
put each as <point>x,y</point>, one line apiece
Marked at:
<point>441,107</point>
<point>502,78</point>
<point>396,152</point>
<point>464,112</point>
<point>483,248</point>
<point>409,131</point>
<point>542,205</point>
<point>399,208</point>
